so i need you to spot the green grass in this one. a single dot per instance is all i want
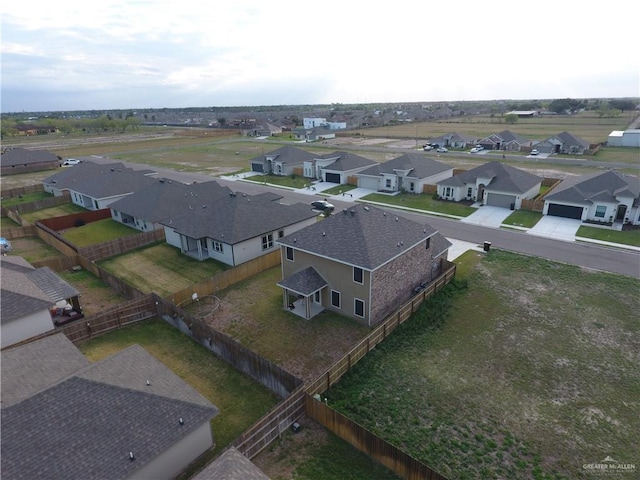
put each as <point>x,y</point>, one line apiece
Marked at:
<point>626,237</point>
<point>523,218</point>
<point>25,198</point>
<point>519,376</point>
<point>241,400</point>
<point>338,189</point>
<point>6,222</point>
<point>58,211</point>
<point>98,232</point>
<point>421,201</point>
<point>292,181</point>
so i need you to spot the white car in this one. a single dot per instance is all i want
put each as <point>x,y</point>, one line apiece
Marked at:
<point>442,150</point>
<point>426,148</point>
<point>476,149</point>
<point>534,152</point>
<point>70,162</point>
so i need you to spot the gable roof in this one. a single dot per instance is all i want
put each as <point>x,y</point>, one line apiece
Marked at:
<point>305,282</point>
<point>236,218</point>
<point>288,155</point>
<point>99,180</point>
<point>453,137</point>
<point>22,156</point>
<point>600,186</point>
<point>363,236</point>
<point>418,165</point>
<point>504,178</point>
<point>346,161</point>
<point>165,198</point>
<point>231,465</point>
<point>570,139</point>
<point>509,136</point>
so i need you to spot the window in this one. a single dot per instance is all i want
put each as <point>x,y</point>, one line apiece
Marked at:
<point>358,307</point>
<point>335,299</point>
<point>316,297</point>
<point>448,192</point>
<point>388,183</point>
<point>469,192</point>
<point>289,253</point>
<point>427,243</point>
<point>217,246</point>
<point>412,186</point>
<point>267,241</point>
<point>358,275</point>
<point>601,210</point>
<point>280,233</point>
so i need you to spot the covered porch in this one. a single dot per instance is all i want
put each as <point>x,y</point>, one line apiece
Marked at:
<point>301,293</point>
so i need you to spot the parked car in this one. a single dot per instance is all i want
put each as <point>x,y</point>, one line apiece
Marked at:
<point>322,206</point>
<point>534,152</point>
<point>70,162</point>
<point>476,149</point>
<point>426,148</point>
<point>442,150</point>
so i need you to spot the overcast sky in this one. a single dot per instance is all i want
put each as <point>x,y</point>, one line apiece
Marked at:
<point>130,54</point>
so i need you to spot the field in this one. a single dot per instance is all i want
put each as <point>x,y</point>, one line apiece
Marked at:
<point>529,376</point>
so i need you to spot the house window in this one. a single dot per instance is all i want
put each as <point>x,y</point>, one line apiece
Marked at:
<point>469,192</point>
<point>427,243</point>
<point>448,192</point>
<point>267,241</point>
<point>289,253</point>
<point>601,210</point>
<point>358,307</point>
<point>388,183</point>
<point>217,246</point>
<point>335,299</point>
<point>358,275</point>
<point>280,233</point>
<point>412,187</point>
<point>316,297</point>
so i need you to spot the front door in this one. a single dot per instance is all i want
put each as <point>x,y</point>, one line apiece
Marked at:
<point>622,211</point>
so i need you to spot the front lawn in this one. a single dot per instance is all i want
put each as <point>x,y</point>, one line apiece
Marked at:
<point>98,232</point>
<point>338,189</point>
<point>626,237</point>
<point>291,181</point>
<point>423,202</point>
<point>523,218</point>
<point>527,378</point>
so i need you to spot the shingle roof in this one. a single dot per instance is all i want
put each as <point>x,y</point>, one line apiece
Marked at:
<point>509,136</point>
<point>367,238</point>
<point>235,218</point>
<point>99,180</point>
<point>22,156</point>
<point>38,365</point>
<point>165,198</point>
<point>231,465</point>
<point>504,178</point>
<point>288,155</point>
<point>305,282</point>
<point>570,139</point>
<point>600,186</point>
<point>346,161</point>
<point>80,429</point>
<point>419,166</point>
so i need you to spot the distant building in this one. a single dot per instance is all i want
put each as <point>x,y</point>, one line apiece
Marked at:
<point>626,138</point>
<point>523,113</point>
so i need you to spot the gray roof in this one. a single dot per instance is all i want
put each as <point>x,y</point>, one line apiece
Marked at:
<point>570,139</point>
<point>231,465</point>
<point>236,218</point>
<point>418,165</point>
<point>305,282</point>
<point>509,136</point>
<point>346,161</point>
<point>99,412</point>
<point>100,180</point>
<point>504,178</point>
<point>363,236</point>
<point>27,290</point>
<point>165,198</point>
<point>287,155</point>
<point>453,137</point>
<point>600,186</point>
<point>81,429</point>
<point>21,156</point>
<point>38,365</point>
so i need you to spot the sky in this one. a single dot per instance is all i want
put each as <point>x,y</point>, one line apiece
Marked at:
<point>71,55</point>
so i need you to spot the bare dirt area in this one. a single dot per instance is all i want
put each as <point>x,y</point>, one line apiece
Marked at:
<point>95,296</point>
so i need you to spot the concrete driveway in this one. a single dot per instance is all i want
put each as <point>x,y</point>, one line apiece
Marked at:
<point>487,216</point>
<point>556,227</point>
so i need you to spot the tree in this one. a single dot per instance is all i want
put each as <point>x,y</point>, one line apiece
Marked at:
<point>222,121</point>
<point>511,118</point>
<point>565,105</point>
<point>622,104</point>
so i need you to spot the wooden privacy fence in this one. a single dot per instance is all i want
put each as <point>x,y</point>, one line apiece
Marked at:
<point>120,245</point>
<point>69,221</point>
<point>368,442</point>
<point>15,191</point>
<point>19,232</point>
<point>37,204</point>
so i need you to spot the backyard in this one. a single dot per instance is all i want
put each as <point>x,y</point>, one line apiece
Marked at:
<point>528,377</point>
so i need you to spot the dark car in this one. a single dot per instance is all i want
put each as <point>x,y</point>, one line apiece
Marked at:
<point>322,206</point>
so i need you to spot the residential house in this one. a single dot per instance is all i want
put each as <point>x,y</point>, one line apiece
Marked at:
<point>565,143</point>
<point>231,465</point>
<point>314,122</point>
<point>126,416</point>
<point>20,160</point>
<point>33,300</point>
<point>162,199</point>
<point>362,263</point>
<point>282,161</point>
<point>236,228</point>
<point>30,129</point>
<point>453,140</point>
<point>626,138</point>
<point>336,167</point>
<point>493,183</point>
<point>95,186</point>
<point>605,197</point>
<point>410,172</point>
<point>313,134</point>
<point>506,141</point>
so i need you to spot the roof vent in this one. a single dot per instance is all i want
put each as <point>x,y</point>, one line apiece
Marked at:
<point>344,211</point>
<point>148,383</point>
<point>181,421</point>
<point>366,208</point>
<point>396,219</point>
<point>324,234</point>
<point>384,214</point>
<point>295,240</point>
<point>132,457</point>
<point>204,206</point>
<point>353,212</point>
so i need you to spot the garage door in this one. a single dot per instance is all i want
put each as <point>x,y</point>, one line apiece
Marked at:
<point>498,200</point>
<point>256,167</point>
<point>566,211</point>
<point>332,177</point>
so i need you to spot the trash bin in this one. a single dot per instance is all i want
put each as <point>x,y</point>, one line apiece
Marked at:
<point>295,427</point>
<point>512,206</point>
<point>487,246</point>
